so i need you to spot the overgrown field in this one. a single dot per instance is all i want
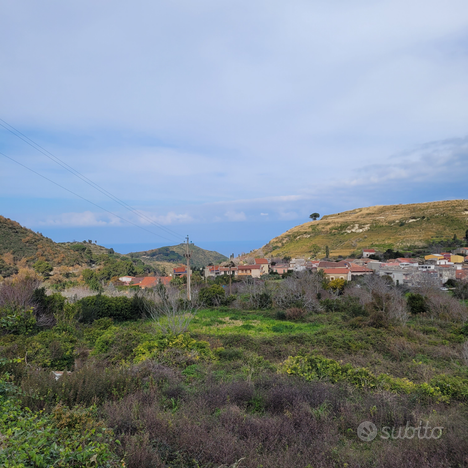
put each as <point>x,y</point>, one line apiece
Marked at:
<point>279,374</point>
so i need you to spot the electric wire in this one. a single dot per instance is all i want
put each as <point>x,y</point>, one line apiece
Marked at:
<point>85,179</point>
<point>83,198</point>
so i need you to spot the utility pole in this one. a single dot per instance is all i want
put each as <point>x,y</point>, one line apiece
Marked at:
<point>231,264</point>
<point>187,255</point>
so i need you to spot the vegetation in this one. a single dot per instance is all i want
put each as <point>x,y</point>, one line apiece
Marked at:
<point>175,254</point>
<point>413,229</point>
<point>279,374</point>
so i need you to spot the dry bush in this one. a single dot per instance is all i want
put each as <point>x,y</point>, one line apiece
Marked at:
<point>170,312</point>
<point>387,303</point>
<point>295,313</point>
<point>301,290</point>
<point>253,294</point>
<point>425,283</point>
<point>445,307</point>
<point>401,349</point>
<point>91,384</point>
<point>17,292</point>
<point>279,422</point>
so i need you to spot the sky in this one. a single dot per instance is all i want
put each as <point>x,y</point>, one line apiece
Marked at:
<point>230,122</point>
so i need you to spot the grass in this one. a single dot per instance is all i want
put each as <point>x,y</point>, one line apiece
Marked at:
<point>175,406</point>
<point>255,324</point>
<point>393,226</point>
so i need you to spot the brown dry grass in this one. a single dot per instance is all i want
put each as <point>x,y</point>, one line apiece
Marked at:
<point>395,226</point>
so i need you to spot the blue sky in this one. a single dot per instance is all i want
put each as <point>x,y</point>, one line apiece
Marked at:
<point>228,121</point>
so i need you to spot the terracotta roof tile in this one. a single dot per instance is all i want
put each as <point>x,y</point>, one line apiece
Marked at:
<point>261,261</point>
<point>336,271</point>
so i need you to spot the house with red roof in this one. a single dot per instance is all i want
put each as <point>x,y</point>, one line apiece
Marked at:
<point>337,273</point>
<point>368,252</point>
<point>265,267</point>
<point>358,270</point>
<point>180,271</point>
<point>150,281</point>
<point>461,275</point>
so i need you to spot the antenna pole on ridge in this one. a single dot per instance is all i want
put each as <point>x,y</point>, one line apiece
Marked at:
<point>187,255</point>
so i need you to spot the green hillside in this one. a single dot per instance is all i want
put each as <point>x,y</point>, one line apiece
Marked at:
<point>175,254</point>
<point>398,227</point>
<point>20,247</point>
<point>19,244</point>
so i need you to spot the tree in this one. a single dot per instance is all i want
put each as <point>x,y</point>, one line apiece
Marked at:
<point>417,303</point>
<point>43,268</point>
<point>314,216</point>
<point>212,295</point>
<point>327,252</point>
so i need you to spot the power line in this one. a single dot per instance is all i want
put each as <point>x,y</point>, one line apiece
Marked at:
<point>83,198</point>
<point>85,179</point>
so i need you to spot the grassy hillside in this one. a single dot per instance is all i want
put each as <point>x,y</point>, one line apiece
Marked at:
<point>19,244</point>
<point>399,227</point>
<point>175,254</point>
<point>22,247</point>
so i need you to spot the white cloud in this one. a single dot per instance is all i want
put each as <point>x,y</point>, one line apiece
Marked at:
<point>204,113</point>
<point>263,214</point>
<point>167,219</point>
<point>84,219</point>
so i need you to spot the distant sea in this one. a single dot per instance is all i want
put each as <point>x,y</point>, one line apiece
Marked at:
<point>224,247</point>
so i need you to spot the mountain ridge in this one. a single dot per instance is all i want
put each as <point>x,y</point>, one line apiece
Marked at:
<point>21,247</point>
<point>402,226</point>
<point>175,254</point>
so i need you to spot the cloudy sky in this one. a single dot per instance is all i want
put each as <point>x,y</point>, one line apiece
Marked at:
<point>228,121</point>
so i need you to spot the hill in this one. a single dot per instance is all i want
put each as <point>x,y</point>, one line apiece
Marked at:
<point>398,227</point>
<point>175,254</point>
<point>22,246</point>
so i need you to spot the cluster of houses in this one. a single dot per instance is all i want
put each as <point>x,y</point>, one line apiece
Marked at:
<point>442,267</point>
<point>408,271</point>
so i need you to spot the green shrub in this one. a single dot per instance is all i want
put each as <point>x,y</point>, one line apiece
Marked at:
<point>286,328</point>
<point>281,315</point>
<point>464,329</point>
<point>417,303</point>
<point>67,437</point>
<point>454,387</point>
<point>180,350</point>
<point>47,305</point>
<point>230,354</point>
<point>52,348</point>
<point>18,321</point>
<point>316,367</point>
<point>119,343</point>
<point>212,295</point>
<point>118,308</point>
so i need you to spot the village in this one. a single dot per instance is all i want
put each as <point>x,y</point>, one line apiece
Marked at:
<point>438,267</point>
